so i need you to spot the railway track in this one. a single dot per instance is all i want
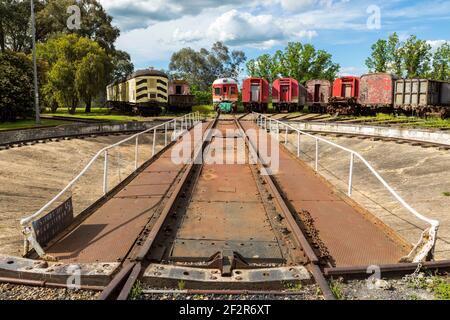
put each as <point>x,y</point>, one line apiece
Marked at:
<point>202,226</point>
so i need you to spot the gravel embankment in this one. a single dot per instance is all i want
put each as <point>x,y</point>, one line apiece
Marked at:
<point>17,292</point>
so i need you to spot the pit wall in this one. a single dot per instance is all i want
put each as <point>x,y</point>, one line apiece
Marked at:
<point>17,136</point>
<point>435,136</point>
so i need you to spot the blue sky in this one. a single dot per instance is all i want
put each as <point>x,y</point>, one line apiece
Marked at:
<point>153,29</point>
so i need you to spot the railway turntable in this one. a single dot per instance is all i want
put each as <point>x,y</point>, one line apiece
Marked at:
<point>218,218</point>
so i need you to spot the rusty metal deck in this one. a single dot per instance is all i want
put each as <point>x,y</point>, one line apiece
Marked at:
<point>109,233</point>
<point>348,231</point>
<point>226,211</point>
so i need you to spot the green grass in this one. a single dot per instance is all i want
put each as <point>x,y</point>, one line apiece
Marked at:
<point>337,289</point>
<point>26,124</point>
<point>403,121</point>
<point>136,291</point>
<point>96,114</point>
<point>446,194</point>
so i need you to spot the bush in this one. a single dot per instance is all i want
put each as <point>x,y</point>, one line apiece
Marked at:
<point>201,97</point>
<point>16,86</point>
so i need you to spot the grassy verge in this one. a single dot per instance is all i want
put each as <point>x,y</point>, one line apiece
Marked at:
<point>26,124</point>
<point>403,121</point>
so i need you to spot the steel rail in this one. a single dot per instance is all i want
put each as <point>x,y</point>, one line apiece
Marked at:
<point>298,234</point>
<point>262,121</point>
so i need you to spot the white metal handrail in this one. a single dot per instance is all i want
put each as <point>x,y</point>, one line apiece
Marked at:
<point>178,125</point>
<point>266,122</point>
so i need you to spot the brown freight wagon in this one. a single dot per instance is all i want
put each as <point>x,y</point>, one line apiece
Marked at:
<point>180,97</point>
<point>422,97</point>
<point>319,93</point>
<point>376,92</point>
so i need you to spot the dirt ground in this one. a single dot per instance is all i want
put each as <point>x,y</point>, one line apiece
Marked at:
<point>30,176</point>
<point>421,176</point>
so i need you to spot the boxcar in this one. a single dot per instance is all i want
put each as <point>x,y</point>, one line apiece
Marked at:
<point>180,97</point>
<point>285,95</point>
<point>422,96</point>
<point>318,95</point>
<point>345,95</point>
<point>376,93</point>
<point>225,94</point>
<point>255,94</point>
<point>145,92</point>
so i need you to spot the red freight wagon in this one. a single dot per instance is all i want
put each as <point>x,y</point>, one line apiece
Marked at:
<point>345,96</point>
<point>255,94</point>
<point>377,92</point>
<point>319,93</point>
<point>285,94</point>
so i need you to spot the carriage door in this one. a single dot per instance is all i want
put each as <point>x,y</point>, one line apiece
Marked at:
<point>347,89</point>
<point>284,96</point>
<point>317,93</point>
<point>178,89</point>
<point>255,92</point>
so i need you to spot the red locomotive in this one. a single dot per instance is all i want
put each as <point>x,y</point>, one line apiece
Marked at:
<point>285,95</point>
<point>255,94</point>
<point>225,93</point>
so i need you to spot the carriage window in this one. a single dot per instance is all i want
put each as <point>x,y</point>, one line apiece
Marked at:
<point>217,91</point>
<point>232,90</point>
<point>224,89</point>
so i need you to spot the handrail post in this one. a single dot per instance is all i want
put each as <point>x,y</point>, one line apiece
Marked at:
<point>105,174</point>
<point>286,136</point>
<point>136,153</point>
<point>278,130</point>
<point>165,135</point>
<point>298,144</point>
<point>317,155</point>
<point>350,175</point>
<point>154,143</point>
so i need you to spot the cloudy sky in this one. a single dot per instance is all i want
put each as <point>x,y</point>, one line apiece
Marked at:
<point>153,29</point>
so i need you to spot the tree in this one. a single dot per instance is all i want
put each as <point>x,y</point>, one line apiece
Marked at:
<point>379,61</point>
<point>123,67</point>
<point>395,55</point>
<point>16,90</point>
<point>79,69</point>
<point>405,59</point>
<point>202,67</point>
<point>441,63</point>
<point>95,23</point>
<point>298,61</point>
<point>263,67</point>
<point>416,57</point>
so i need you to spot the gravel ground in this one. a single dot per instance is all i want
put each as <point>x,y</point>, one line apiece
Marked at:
<point>16,292</point>
<point>309,292</point>
<point>421,288</point>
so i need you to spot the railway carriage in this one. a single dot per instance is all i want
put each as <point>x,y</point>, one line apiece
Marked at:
<point>180,97</point>
<point>225,94</point>
<point>145,92</point>
<point>255,94</point>
<point>318,95</point>
<point>376,93</point>
<point>344,96</point>
<point>286,95</point>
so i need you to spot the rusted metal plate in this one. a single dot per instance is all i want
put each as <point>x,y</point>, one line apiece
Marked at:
<point>241,221</point>
<point>226,183</point>
<point>251,251</point>
<point>108,234</point>
<point>350,238</point>
<point>143,190</point>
